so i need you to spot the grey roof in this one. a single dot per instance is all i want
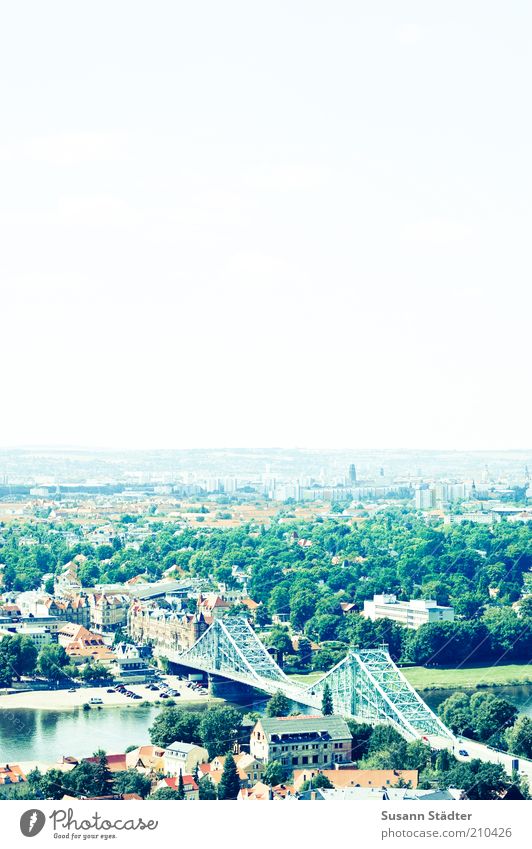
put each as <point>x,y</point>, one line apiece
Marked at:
<point>334,726</point>
<point>390,794</point>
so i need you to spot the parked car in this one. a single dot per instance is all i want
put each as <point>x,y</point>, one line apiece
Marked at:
<point>163,695</point>
<point>464,753</point>
<point>110,690</point>
<point>71,689</point>
<point>95,701</point>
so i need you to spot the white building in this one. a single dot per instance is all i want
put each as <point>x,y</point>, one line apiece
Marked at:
<point>424,498</point>
<point>39,636</point>
<point>412,613</point>
<point>183,757</point>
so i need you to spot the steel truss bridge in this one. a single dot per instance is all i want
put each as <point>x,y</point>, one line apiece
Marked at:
<point>365,685</point>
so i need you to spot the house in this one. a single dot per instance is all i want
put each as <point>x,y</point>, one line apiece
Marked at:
<point>108,611</point>
<point>213,605</point>
<point>340,778</point>
<point>183,757</point>
<point>261,792</point>
<point>82,645</point>
<point>168,629</point>
<point>129,666</point>
<point>116,763</point>
<point>392,794</point>
<point>67,582</point>
<point>296,741</point>
<point>249,769</point>
<point>145,759</point>
<point>11,774</point>
<point>10,611</point>
<point>189,783</point>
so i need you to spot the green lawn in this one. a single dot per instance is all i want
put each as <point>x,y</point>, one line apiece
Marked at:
<point>309,678</point>
<point>468,677</point>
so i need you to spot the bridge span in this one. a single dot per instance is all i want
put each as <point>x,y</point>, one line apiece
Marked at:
<point>365,685</point>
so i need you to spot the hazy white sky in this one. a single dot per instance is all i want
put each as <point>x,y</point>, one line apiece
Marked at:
<point>266,223</point>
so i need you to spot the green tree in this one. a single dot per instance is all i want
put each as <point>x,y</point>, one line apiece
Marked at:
<point>53,784</point>
<point>361,733</point>
<point>317,782</point>
<point>18,656</point>
<point>279,639</point>
<point>326,701</point>
<point>165,794</point>
<point>479,780</point>
<point>456,713</point>
<point>304,652</point>
<point>279,705</point>
<point>52,661</point>
<point>229,787</point>
<point>175,724</point>
<point>95,672</point>
<point>276,773</point>
<point>180,786</point>
<point>519,737</point>
<point>131,781</point>
<point>490,713</point>
<point>207,789</point>
<point>102,773</point>
<point>218,729</point>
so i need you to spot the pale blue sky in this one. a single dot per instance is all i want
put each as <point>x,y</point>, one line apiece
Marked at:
<point>282,223</point>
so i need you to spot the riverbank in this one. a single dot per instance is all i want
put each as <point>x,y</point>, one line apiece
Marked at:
<point>470,677</point>
<point>63,700</point>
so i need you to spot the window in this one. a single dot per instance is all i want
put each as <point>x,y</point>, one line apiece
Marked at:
<point>304,759</point>
<point>315,759</point>
<point>295,761</point>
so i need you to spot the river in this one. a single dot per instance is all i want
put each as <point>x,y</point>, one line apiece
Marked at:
<point>47,735</point>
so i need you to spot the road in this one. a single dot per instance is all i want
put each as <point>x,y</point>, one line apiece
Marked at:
<point>485,753</point>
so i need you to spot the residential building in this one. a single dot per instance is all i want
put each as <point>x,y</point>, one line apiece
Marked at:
<point>183,757</point>
<point>129,666</point>
<point>189,785</point>
<point>412,614</point>
<point>116,763</point>
<point>340,778</point>
<point>82,645</point>
<point>163,627</point>
<point>250,770</point>
<point>11,774</point>
<point>146,759</point>
<point>381,794</point>
<point>302,741</point>
<point>213,605</point>
<point>108,612</point>
<point>39,636</point>
<point>10,611</point>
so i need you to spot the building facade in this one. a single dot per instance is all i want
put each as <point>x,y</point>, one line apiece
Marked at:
<point>412,614</point>
<point>319,741</point>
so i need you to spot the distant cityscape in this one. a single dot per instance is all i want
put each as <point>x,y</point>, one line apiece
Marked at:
<point>329,591</point>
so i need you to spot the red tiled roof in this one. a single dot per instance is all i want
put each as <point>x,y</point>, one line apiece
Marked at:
<point>188,781</point>
<point>116,763</point>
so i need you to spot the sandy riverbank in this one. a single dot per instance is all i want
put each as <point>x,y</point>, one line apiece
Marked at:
<point>63,700</point>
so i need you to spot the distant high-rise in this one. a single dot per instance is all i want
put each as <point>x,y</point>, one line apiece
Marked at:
<point>352,473</point>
